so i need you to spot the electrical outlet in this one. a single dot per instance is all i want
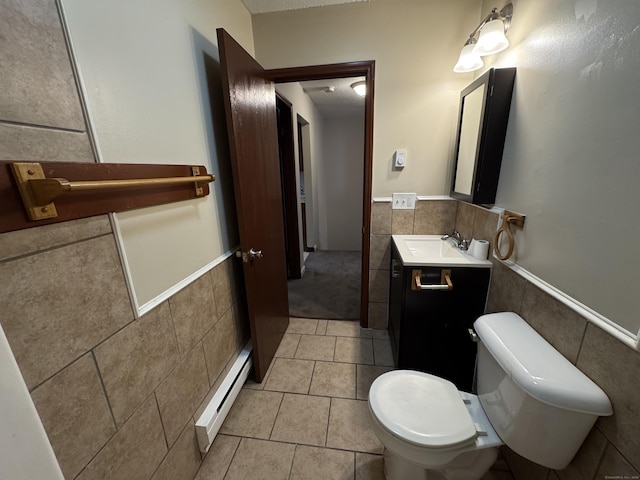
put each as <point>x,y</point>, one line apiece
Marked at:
<point>404,201</point>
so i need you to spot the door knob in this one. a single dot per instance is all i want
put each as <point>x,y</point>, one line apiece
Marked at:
<point>250,255</point>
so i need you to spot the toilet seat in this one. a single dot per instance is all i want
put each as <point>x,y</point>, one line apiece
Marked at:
<point>421,409</point>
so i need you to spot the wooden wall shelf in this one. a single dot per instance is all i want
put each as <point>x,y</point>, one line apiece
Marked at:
<point>40,193</point>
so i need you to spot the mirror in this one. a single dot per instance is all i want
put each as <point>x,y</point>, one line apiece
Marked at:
<point>482,127</point>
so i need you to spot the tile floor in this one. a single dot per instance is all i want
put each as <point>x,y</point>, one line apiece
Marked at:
<point>309,418</point>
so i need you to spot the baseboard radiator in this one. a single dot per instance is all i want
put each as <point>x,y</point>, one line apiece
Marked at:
<point>211,419</point>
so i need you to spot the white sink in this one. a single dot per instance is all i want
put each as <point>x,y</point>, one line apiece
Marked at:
<point>430,250</point>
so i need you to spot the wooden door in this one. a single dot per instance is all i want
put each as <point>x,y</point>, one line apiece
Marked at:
<point>250,103</point>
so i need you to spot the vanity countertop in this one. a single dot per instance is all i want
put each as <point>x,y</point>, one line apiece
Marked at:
<point>431,251</point>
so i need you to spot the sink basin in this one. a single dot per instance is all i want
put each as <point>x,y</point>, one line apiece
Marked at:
<point>430,250</point>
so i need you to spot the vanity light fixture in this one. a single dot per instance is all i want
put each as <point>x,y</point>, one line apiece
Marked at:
<point>360,88</point>
<point>488,38</point>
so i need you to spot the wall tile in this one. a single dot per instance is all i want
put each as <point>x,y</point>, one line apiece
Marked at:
<point>26,143</point>
<point>38,86</point>
<point>378,285</point>
<point>615,466</point>
<point>241,322</point>
<point>181,393</point>
<point>380,252</point>
<point>378,313</point>
<point>587,460</point>
<point>506,290</point>
<point>485,225</point>
<point>75,413</point>
<point>402,222</point>
<point>616,369</point>
<point>134,452</point>
<point>32,240</point>
<point>381,214</point>
<point>435,217</point>
<point>192,319</point>
<point>558,324</point>
<point>465,219</point>
<point>222,283</point>
<point>219,345</point>
<point>183,460</point>
<point>136,359</point>
<point>58,304</point>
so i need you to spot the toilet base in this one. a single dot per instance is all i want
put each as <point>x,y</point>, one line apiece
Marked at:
<point>470,465</point>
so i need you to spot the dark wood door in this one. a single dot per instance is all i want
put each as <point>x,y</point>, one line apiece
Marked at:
<point>250,106</point>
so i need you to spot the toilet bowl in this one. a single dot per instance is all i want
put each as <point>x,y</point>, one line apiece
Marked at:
<point>451,439</point>
<point>529,397</point>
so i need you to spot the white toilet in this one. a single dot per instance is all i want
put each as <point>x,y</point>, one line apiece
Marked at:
<point>530,398</point>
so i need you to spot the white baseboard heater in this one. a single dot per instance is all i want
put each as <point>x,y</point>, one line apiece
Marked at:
<point>211,419</point>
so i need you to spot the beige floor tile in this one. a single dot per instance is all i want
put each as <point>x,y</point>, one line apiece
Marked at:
<point>322,327</point>
<point>305,326</point>
<point>218,459</point>
<point>253,414</point>
<point>302,419</point>
<point>374,333</point>
<point>288,345</point>
<point>316,347</point>
<point>261,460</point>
<point>252,384</point>
<point>382,352</point>
<point>312,463</point>
<point>365,375</point>
<point>350,427</point>
<point>369,467</point>
<point>354,350</point>
<point>334,380</point>
<point>343,328</point>
<point>289,375</point>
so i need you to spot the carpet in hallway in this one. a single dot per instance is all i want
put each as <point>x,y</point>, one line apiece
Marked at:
<point>329,288</point>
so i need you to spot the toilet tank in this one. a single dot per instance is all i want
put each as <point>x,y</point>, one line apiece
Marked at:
<point>538,402</point>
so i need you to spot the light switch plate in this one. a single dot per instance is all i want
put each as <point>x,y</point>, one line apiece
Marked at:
<point>404,201</point>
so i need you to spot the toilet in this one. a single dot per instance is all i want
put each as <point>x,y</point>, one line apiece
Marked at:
<point>529,397</point>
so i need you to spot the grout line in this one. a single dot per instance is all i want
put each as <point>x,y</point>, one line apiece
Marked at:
<point>164,432</point>
<point>42,127</point>
<point>55,247</point>
<point>104,388</point>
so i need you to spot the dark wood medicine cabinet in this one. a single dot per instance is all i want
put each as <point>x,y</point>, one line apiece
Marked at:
<point>480,137</point>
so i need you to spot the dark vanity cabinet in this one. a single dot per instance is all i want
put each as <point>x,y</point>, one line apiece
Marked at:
<point>429,328</point>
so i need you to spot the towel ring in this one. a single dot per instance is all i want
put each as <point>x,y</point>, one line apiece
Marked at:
<point>504,228</point>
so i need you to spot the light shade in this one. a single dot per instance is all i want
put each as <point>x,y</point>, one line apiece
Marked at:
<point>468,61</point>
<point>360,88</point>
<point>492,39</point>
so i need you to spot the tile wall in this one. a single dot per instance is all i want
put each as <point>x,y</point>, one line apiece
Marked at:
<point>117,396</point>
<point>613,447</point>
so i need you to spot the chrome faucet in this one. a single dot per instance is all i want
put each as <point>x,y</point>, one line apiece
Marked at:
<point>458,241</point>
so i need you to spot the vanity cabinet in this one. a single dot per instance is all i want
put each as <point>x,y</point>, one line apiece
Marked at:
<point>429,328</point>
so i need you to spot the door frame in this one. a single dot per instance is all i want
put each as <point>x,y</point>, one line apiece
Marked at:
<point>342,70</point>
<point>289,189</point>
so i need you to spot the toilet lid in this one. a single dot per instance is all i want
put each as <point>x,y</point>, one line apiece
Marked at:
<point>422,409</point>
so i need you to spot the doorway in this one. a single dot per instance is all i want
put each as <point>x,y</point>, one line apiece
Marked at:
<point>348,70</point>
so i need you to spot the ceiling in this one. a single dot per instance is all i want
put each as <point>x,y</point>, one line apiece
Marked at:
<point>266,6</point>
<point>342,100</point>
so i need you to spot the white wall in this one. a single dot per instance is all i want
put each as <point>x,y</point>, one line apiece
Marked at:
<point>415,44</point>
<point>341,182</point>
<point>571,155</point>
<point>145,75</point>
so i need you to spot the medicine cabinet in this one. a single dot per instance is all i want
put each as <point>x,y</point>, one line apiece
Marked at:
<point>482,127</point>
